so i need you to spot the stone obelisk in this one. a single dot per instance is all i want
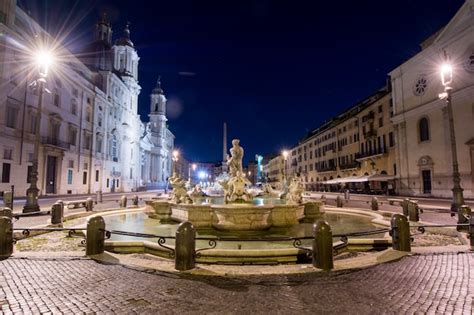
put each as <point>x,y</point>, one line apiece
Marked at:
<point>224,149</point>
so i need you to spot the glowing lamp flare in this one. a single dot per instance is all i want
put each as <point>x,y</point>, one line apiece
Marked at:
<point>285,154</point>
<point>446,74</point>
<point>44,60</point>
<point>194,166</point>
<point>175,155</point>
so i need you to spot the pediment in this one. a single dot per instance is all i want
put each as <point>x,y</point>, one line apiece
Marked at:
<point>462,20</point>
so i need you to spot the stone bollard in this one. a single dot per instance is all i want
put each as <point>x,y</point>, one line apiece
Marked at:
<point>95,236</point>
<point>347,195</point>
<point>8,199</point>
<point>123,202</point>
<point>6,237</point>
<point>339,202</point>
<point>135,200</point>
<point>322,246</point>
<point>400,233</point>
<point>89,204</point>
<point>404,205</point>
<point>471,232</point>
<point>62,207</point>
<point>6,212</point>
<point>185,247</point>
<point>463,215</point>
<point>374,204</point>
<point>413,211</point>
<point>56,214</point>
<point>98,196</point>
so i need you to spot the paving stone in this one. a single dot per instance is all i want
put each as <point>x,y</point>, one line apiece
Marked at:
<point>431,283</point>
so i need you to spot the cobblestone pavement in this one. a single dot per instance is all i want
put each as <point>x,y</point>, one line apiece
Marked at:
<point>439,283</point>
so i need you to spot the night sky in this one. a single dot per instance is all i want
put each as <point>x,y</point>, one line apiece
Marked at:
<point>273,70</point>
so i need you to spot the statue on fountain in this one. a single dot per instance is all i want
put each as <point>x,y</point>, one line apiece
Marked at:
<point>235,187</point>
<point>179,194</point>
<point>234,161</point>
<point>295,191</point>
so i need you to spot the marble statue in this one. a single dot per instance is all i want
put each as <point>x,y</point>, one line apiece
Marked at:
<point>197,191</point>
<point>295,191</point>
<point>234,161</point>
<point>180,194</point>
<point>236,188</point>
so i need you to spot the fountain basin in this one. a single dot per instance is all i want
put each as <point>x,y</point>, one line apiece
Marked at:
<point>260,215</point>
<point>241,217</point>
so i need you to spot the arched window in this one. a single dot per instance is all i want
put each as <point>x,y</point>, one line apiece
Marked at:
<point>424,129</point>
<point>113,146</point>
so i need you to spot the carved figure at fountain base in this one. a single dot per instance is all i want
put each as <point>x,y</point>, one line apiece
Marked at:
<point>179,194</point>
<point>235,189</point>
<point>295,191</point>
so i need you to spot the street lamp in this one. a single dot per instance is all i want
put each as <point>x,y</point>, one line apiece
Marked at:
<point>43,60</point>
<point>193,166</point>
<point>446,72</point>
<point>175,161</point>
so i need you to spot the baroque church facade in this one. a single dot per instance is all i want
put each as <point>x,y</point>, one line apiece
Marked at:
<point>91,136</point>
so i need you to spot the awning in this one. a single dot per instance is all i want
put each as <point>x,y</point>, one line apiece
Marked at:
<point>381,177</point>
<point>359,179</point>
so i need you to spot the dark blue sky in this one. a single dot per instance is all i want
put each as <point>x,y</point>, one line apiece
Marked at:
<point>273,70</point>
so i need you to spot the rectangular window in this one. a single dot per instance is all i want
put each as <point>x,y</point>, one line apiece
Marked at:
<point>69,177</point>
<point>6,173</point>
<point>131,173</point>
<point>96,175</point>
<point>107,183</point>
<point>84,178</point>
<point>380,108</point>
<point>391,139</point>
<point>381,122</point>
<point>56,100</point>
<point>70,164</point>
<point>72,136</point>
<point>33,122</point>
<point>28,174</point>
<point>11,117</point>
<point>7,154</point>
<point>117,182</point>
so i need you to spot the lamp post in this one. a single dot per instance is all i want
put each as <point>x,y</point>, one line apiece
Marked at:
<point>43,60</point>
<point>458,198</point>
<point>285,173</point>
<point>193,167</point>
<point>175,161</point>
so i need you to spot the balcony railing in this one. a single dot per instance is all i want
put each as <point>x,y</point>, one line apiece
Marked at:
<point>346,166</point>
<point>115,174</point>
<point>377,151</point>
<point>370,134</point>
<point>55,142</point>
<point>326,168</point>
<point>370,116</point>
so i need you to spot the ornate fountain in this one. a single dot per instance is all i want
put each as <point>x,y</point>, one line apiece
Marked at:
<point>238,210</point>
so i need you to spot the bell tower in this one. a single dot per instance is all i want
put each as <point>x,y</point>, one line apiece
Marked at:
<point>158,111</point>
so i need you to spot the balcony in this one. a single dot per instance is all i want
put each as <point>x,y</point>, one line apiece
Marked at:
<point>115,174</point>
<point>371,153</point>
<point>350,165</point>
<point>329,168</point>
<point>55,142</point>
<point>369,117</point>
<point>372,133</point>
